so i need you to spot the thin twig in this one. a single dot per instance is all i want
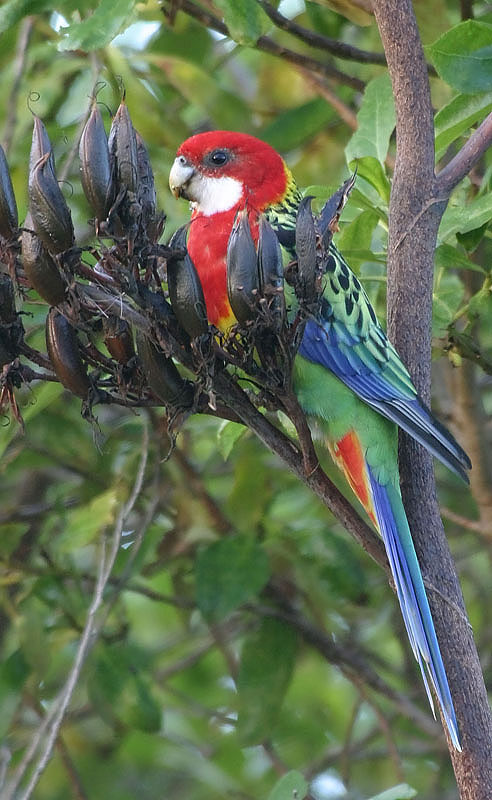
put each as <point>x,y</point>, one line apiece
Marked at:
<point>315,39</point>
<point>48,730</point>
<point>267,45</point>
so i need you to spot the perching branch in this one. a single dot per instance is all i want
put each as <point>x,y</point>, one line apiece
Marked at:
<point>415,213</point>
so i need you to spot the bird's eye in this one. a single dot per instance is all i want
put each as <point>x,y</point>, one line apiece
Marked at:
<point>218,157</point>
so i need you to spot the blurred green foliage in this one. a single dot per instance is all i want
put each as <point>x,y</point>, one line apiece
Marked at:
<point>237,657</point>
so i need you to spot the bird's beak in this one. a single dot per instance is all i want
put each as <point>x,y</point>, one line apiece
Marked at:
<point>181,174</point>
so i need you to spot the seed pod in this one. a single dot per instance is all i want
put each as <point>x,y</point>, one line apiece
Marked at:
<point>306,250</point>
<point>243,284</point>
<point>64,353</point>
<point>40,268</point>
<point>9,220</point>
<point>40,145</point>
<point>8,314</point>
<point>146,186</point>
<point>185,289</point>
<point>271,269</point>
<point>96,169</point>
<point>50,213</point>
<point>118,339</point>
<point>123,147</point>
<point>162,375</point>
<point>330,213</point>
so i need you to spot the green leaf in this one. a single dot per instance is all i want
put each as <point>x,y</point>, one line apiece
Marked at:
<point>86,522</point>
<point>457,116</point>
<point>14,10</point>
<point>265,671</point>
<point>13,673</point>
<point>446,301</point>
<point>471,239</point>
<point>40,397</point>
<point>245,19</point>
<point>481,303</point>
<point>357,236</point>
<point>376,121</point>
<point>463,56</point>
<point>228,573</point>
<point>401,792</point>
<point>465,218</point>
<point>110,18</point>
<point>228,434</point>
<point>291,128</point>
<point>291,785</point>
<point>448,257</point>
<point>373,172</point>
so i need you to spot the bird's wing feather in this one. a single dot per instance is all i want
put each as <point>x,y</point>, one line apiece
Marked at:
<point>347,339</point>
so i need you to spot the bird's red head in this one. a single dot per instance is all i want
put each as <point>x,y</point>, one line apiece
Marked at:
<point>220,169</point>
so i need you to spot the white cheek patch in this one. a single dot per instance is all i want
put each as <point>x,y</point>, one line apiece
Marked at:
<point>213,195</point>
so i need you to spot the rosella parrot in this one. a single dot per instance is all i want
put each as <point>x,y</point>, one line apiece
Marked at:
<point>348,378</point>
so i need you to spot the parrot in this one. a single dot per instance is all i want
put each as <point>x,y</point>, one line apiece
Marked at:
<point>348,378</point>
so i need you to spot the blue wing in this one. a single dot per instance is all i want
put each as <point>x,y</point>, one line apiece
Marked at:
<point>347,339</point>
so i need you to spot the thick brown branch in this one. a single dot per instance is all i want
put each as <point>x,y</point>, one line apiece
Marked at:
<point>410,268</point>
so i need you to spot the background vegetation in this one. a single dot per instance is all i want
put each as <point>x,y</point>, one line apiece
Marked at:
<point>244,645</point>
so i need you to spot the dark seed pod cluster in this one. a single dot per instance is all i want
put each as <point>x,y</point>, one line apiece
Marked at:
<point>96,166</point>
<point>185,289</point>
<point>64,352</point>
<point>125,291</point>
<point>255,276</point>
<point>123,148</point>
<point>50,214</point>
<point>40,267</point>
<point>8,207</point>
<point>118,339</point>
<point>162,375</point>
<point>243,284</point>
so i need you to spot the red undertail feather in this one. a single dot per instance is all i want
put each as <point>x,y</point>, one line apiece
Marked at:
<point>347,454</point>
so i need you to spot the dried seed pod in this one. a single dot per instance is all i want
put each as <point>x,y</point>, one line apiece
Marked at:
<point>50,213</point>
<point>330,213</point>
<point>96,167</point>
<point>40,145</point>
<point>123,147</point>
<point>146,186</point>
<point>271,269</point>
<point>9,220</point>
<point>185,289</point>
<point>307,268</point>
<point>162,375</point>
<point>63,350</point>
<point>40,268</point>
<point>118,339</point>
<point>243,286</point>
<point>8,313</point>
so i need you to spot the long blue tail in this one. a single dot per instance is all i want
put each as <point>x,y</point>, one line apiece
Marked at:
<point>414,605</point>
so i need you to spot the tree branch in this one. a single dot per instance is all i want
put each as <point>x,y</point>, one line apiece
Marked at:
<point>471,152</point>
<point>267,45</point>
<point>314,39</point>
<point>410,271</point>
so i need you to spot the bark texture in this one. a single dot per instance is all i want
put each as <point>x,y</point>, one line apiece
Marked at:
<point>418,201</point>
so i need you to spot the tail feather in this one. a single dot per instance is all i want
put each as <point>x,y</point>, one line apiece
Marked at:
<point>393,526</point>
